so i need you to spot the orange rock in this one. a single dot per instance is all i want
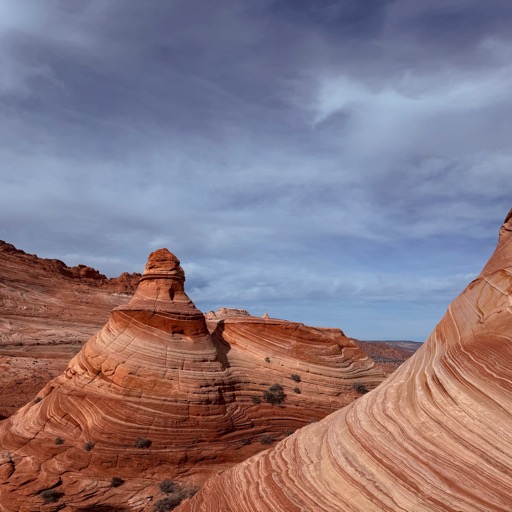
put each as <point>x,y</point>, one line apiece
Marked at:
<point>435,436</point>
<point>154,394</point>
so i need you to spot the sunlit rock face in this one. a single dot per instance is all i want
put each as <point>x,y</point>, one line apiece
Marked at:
<point>45,302</point>
<point>435,436</point>
<point>155,394</point>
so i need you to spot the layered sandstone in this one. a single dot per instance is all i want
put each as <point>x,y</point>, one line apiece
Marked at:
<point>435,436</point>
<point>156,394</point>
<point>43,301</point>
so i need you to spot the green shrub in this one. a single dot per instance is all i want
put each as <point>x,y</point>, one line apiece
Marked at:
<point>295,377</point>
<point>275,394</point>
<point>59,440</point>
<point>297,390</point>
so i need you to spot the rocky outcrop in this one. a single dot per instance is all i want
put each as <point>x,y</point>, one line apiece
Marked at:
<point>435,436</point>
<point>43,301</point>
<point>156,394</point>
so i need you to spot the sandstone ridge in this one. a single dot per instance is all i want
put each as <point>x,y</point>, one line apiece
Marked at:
<point>435,436</point>
<point>157,393</point>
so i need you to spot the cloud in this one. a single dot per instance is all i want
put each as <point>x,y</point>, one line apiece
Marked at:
<point>317,157</point>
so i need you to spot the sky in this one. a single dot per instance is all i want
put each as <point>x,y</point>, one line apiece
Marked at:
<point>340,163</point>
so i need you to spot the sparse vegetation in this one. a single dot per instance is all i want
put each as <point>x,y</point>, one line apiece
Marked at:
<point>297,390</point>
<point>255,399</point>
<point>51,495</point>
<point>88,446</point>
<point>142,443</point>
<point>295,377</point>
<point>246,441</point>
<point>274,395</point>
<point>267,359</point>
<point>178,493</point>
<point>360,388</point>
<point>266,439</point>
<point>116,481</point>
<point>37,399</point>
<point>169,486</point>
<point>59,440</point>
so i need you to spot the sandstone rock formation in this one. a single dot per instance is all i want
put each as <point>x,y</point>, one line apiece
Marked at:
<point>154,394</point>
<point>43,301</point>
<point>435,436</point>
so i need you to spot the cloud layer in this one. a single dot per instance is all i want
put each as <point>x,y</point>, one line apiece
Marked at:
<point>342,163</point>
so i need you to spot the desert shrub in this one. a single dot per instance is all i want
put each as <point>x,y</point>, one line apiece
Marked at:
<point>142,443</point>
<point>37,399</point>
<point>88,446</point>
<point>295,377</point>
<point>274,395</point>
<point>169,486</point>
<point>266,439</point>
<point>167,503</point>
<point>181,493</point>
<point>51,495</point>
<point>267,359</point>
<point>360,388</point>
<point>116,481</point>
<point>59,440</point>
<point>297,390</point>
<point>255,399</point>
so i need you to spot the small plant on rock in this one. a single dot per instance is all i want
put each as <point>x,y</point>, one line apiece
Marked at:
<point>51,495</point>
<point>88,446</point>
<point>274,395</point>
<point>116,481</point>
<point>169,486</point>
<point>267,359</point>
<point>59,440</point>
<point>297,390</point>
<point>142,443</point>
<point>295,377</point>
<point>360,388</point>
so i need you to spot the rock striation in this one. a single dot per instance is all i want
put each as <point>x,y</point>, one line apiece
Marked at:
<point>43,301</point>
<point>157,393</point>
<point>435,436</point>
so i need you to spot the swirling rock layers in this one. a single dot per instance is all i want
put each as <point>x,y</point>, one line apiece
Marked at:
<point>435,436</point>
<point>154,394</point>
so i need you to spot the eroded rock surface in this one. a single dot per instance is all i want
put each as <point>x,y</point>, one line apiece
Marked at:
<point>156,394</point>
<point>43,301</point>
<point>435,436</point>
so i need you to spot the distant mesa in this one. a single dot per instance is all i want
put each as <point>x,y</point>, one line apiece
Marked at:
<point>161,391</point>
<point>435,436</point>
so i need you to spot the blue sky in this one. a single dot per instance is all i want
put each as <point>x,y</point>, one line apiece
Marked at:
<point>340,163</point>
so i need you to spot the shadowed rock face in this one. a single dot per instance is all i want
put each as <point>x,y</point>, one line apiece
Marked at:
<point>435,436</point>
<point>155,394</point>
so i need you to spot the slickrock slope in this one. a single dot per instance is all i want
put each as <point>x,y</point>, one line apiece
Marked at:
<point>435,436</point>
<point>155,395</point>
<point>43,301</point>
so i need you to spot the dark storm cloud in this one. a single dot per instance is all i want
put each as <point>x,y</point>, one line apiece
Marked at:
<point>320,157</point>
